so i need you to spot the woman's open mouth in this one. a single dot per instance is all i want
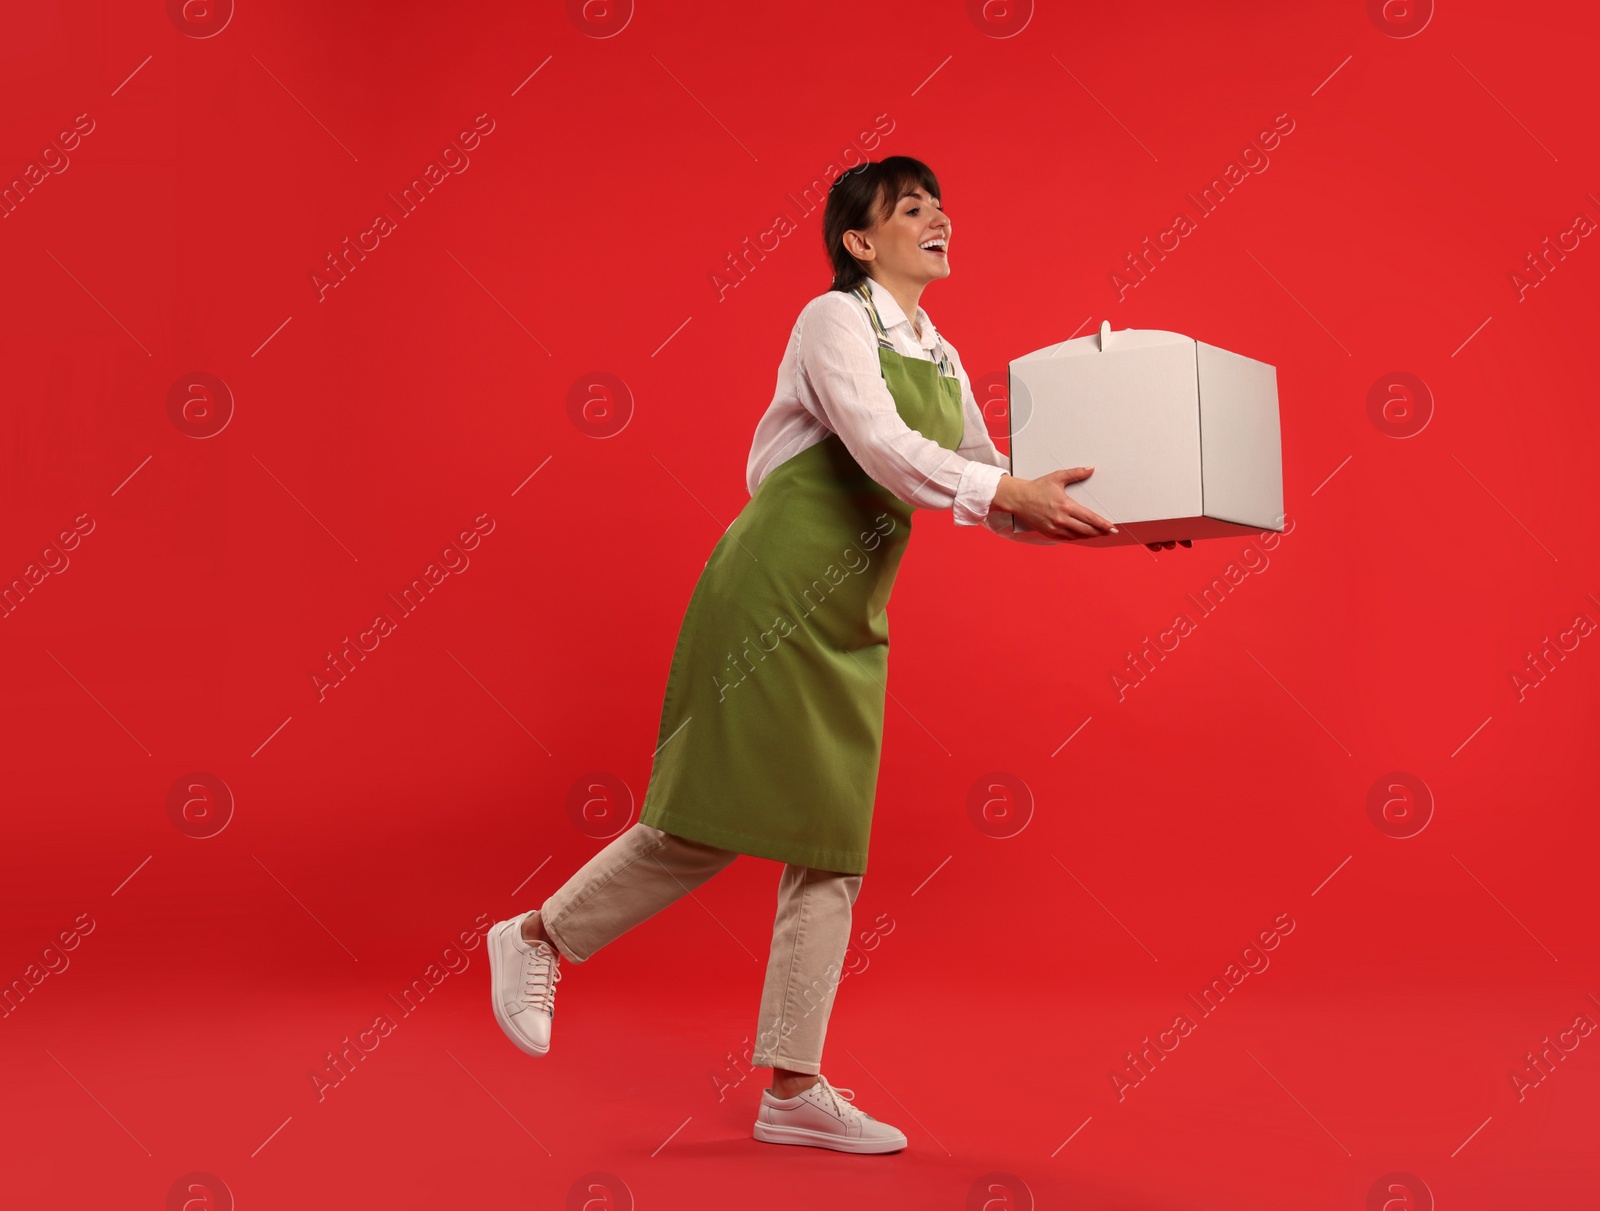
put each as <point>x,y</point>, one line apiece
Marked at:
<point>934,246</point>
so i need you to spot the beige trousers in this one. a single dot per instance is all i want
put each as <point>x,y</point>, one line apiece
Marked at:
<point>644,869</point>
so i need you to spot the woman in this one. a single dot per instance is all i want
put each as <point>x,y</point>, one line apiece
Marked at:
<point>772,723</point>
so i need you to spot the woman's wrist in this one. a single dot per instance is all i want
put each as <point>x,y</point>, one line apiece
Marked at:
<point>1005,494</point>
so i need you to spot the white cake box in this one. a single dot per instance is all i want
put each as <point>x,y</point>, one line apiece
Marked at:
<point>1183,436</point>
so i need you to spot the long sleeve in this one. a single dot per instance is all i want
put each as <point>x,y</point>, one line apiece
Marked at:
<point>977,444</point>
<point>838,359</point>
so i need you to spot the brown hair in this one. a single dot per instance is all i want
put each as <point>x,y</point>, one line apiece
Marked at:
<point>865,195</point>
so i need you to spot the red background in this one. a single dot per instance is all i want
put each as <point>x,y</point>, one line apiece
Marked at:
<point>1010,976</point>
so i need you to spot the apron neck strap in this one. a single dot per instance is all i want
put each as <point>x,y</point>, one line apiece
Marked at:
<point>864,290</point>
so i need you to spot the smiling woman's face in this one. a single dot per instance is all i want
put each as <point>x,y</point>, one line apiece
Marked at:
<point>893,248</point>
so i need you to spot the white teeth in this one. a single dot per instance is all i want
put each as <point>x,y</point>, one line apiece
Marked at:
<point>932,244</point>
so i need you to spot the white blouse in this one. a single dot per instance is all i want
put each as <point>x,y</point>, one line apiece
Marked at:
<point>830,381</point>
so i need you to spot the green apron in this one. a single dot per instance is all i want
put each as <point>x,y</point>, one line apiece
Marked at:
<point>772,725</point>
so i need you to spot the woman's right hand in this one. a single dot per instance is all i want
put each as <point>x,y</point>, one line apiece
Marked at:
<point>1045,506</point>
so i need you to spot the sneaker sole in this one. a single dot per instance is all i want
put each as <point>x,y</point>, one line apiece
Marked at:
<point>500,1017</point>
<point>773,1133</point>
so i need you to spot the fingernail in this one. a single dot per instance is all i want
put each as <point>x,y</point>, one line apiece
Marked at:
<point>1113,529</point>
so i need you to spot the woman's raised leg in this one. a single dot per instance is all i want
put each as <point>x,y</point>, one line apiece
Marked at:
<point>634,877</point>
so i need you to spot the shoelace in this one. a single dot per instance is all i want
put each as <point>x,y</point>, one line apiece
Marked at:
<point>540,975</point>
<point>842,1098</point>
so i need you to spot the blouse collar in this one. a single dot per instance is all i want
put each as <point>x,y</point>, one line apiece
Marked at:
<point>891,313</point>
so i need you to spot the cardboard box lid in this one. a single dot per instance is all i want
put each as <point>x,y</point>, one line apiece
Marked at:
<point>1123,338</point>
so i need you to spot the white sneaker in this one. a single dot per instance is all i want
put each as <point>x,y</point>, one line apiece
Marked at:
<point>523,976</point>
<point>824,1117</point>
